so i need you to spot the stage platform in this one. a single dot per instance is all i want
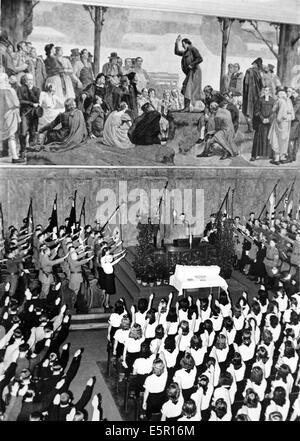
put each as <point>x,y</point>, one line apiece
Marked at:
<point>132,291</point>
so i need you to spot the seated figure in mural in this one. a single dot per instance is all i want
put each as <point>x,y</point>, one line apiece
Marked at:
<point>72,131</point>
<point>145,130</point>
<point>115,133</point>
<point>220,134</point>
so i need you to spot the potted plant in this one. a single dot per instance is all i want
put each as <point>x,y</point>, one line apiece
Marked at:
<point>159,272</point>
<point>225,248</point>
<point>166,274</point>
<point>151,275</point>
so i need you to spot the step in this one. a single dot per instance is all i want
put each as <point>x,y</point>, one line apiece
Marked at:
<point>95,319</point>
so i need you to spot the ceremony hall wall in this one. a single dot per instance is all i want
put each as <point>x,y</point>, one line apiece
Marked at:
<point>251,190</point>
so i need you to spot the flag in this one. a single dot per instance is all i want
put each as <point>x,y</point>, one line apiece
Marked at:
<point>82,214</point>
<point>272,202</point>
<point>289,209</point>
<point>298,211</point>
<point>53,219</point>
<point>29,218</point>
<point>72,215</point>
<point>1,224</point>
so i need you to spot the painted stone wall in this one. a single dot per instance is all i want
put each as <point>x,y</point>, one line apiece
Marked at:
<point>198,192</point>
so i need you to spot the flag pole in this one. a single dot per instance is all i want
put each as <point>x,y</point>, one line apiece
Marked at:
<point>224,200</point>
<point>261,213</point>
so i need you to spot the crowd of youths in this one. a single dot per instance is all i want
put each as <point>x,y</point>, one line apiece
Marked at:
<point>210,359</point>
<point>36,381</point>
<point>41,278</point>
<point>225,358</point>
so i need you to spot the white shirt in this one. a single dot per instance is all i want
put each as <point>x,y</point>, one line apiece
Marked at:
<point>162,318</point>
<point>275,332</point>
<point>239,374</point>
<point>225,310</point>
<point>258,388</point>
<point>296,406</point>
<point>133,345</point>
<point>121,335</point>
<point>155,384</point>
<point>295,328</point>
<point>252,412</point>
<point>140,318</point>
<point>231,336</point>
<point>257,317</point>
<point>198,355</point>
<point>197,324</point>
<point>182,315</point>
<point>150,330</point>
<point>205,315</point>
<point>270,348</point>
<point>186,379</point>
<point>170,357</point>
<point>157,342</point>
<point>143,366</point>
<point>247,352</point>
<point>173,328</point>
<point>291,362</point>
<point>225,393</point>
<point>172,410</point>
<point>206,398</point>
<point>219,354</point>
<point>264,308</point>
<point>184,341</point>
<point>266,367</point>
<point>284,410</point>
<point>238,322</point>
<point>209,338</point>
<point>106,266</point>
<point>115,319</point>
<point>217,322</point>
<point>288,386</point>
<point>282,302</point>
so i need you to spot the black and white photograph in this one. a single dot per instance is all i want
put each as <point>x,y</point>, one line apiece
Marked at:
<point>149,213</point>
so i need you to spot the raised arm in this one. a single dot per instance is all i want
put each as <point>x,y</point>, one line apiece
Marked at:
<point>177,49</point>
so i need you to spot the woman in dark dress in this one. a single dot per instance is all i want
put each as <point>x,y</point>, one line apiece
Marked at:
<point>108,261</point>
<point>261,124</point>
<point>258,267</point>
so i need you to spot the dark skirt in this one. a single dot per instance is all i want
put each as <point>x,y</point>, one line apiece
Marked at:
<point>101,277</point>
<point>155,403</point>
<point>186,393</point>
<point>137,383</point>
<point>171,372</point>
<point>120,350</point>
<point>109,284</point>
<point>130,359</point>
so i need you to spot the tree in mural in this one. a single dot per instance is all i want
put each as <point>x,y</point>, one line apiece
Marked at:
<point>97,16</point>
<point>16,18</point>
<point>285,48</point>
